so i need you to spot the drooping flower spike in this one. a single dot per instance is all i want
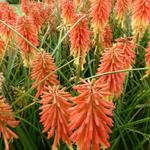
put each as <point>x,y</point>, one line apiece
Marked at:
<point>90,118</point>
<point>7,121</point>
<point>122,7</point>
<point>54,115</point>
<point>43,67</point>
<point>140,18</point>
<point>80,41</point>
<point>99,12</point>
<point>27,28</point>
<point>112,60</point>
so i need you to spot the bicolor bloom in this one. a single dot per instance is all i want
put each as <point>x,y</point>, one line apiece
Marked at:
<point>128,51</point>
<point>107,37</point>
<point>27,28</point>
<point>7,121</point>
<point>8,16</point>
<point>140,17</point>
<point>2,49</point>
<point>122,7</point>
<point>43,71</point>
<point>112,60</point>
<point>54,115</point>
<point>80,41</point>
<point>67,10</point>
<point>99,12</point>
<point>147,58</point>
<point>90,118</point>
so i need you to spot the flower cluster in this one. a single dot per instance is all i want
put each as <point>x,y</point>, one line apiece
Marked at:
<point>84,118</point>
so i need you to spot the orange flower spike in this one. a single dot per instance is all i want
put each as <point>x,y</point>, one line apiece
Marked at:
<point>43,67</point>
<point>112,60</point>
<point>140,17</point>
<point>128,51</point>
<point>122,7</point>
<point>7,121</point>
<point>80,41</point>
<point>147,59</point>
<point>90,118</point>
<point>54,115</point>
<point>26,27</point>
<point>100,10</point>
<point>68,13</point>
<point>107,37</point>
<point>8,15</point>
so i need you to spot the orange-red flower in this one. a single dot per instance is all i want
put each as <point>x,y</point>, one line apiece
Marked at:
<point>39,12</point>
<point>43,68</point>
<point>68,13</point>
<point>147,58</point>
<point>7,121</point>
<point>90,118</point>
<point>140,17</point>
<point>107,37</point>
<point>128,51</point>
<point>80,41</point>
<point>122,7</point>
<point>54,115</point>
<point>99,12</point>
<point>112,60</point>
<point>26,27</point>
<point>7,15</point>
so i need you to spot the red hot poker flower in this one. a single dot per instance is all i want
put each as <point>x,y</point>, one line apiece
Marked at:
<point>43,67</point>
<point>26,27</point>
<point>112,60</point>
<point>8,15</point>
<point>128,51</point>
<point>122,7</point>
<point>7,121</point>
<point>140,17</point>
<point>90,118</point>
<point>39,12</point>
<point>80,41</point>
<point>67,11</point>
<point>54,115</point>
<point>99,12</point>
